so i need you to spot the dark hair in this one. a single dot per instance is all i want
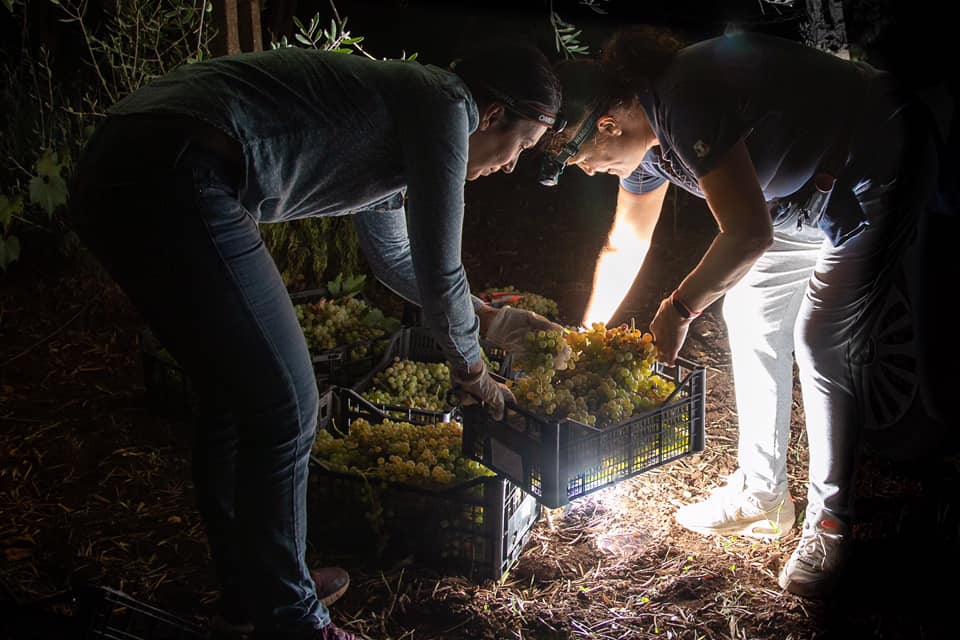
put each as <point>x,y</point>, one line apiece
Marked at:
<point>630,62</point>
<point>638,55</point>
<point>516,71</point>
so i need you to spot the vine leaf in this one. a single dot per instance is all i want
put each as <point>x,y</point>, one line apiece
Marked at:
<point>48,188</point>
<point>49,164</point>
<point>50,192</point>
<point>9,251</point>
<point>9,207</point>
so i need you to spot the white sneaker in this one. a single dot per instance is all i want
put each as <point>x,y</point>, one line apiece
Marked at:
<point>815,565</point>
<point>731,511</point>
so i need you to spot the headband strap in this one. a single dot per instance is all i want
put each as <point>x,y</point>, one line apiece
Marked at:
<point>521,108</point>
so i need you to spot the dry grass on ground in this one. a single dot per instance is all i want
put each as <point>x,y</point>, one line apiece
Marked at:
<point>93,486</point>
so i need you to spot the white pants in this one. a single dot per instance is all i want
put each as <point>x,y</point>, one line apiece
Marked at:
<point>808,299</point>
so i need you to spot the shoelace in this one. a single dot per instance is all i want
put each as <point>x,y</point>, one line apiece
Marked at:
<point>813,549</point>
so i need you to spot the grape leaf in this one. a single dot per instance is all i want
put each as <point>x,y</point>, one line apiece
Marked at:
<point>9,207</point>
<point>9,251</point>
<point>354,284</point>
<point>49,165</point>
<point>49,192</point>
<point>335,286</point>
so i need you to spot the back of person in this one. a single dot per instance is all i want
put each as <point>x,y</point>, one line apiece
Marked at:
<point>790,103</point>
<point>319,130</point>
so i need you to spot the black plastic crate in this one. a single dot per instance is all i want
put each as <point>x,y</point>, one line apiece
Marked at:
<point>558,461</point>
<point>114,615</point>
<point>169,392</point>
<point>477,529</point>
<point>410,343</point>
<point>346,364</point>
<point>502,361</point>
<point>93,612</point>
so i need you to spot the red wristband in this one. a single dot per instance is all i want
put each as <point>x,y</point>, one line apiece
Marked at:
<point>685,312</point>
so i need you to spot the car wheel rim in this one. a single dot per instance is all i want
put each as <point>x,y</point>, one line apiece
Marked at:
<point>889,365</point>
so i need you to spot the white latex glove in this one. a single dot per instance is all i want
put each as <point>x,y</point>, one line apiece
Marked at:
<point>509,328</point>
<point>473,386</point>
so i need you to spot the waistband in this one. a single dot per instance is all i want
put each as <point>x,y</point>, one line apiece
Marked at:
<point>127,147</point>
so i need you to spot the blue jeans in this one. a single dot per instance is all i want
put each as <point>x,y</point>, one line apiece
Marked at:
<point>161,213</point>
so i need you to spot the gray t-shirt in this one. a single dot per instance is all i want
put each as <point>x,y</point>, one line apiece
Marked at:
<point>790,103</point>
<point>326,133</point>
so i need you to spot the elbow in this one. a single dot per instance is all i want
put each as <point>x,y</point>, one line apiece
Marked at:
<point>760,240</point>
<point>764,241</point>
<point>754,245</point>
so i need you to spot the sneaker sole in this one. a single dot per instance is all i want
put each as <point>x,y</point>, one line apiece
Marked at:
<point>811,590</point>
<point>753,529</point>
<point>330,598</point>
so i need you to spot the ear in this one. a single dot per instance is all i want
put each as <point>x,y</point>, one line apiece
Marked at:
<point>609,125</point>
<point>491,115</point>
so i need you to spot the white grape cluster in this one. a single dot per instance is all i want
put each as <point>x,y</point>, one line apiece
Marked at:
<point>609,377</point>
<point>421,455</point>
<point>531,301</point>
<point>409,383</point>
<point>328,324</point>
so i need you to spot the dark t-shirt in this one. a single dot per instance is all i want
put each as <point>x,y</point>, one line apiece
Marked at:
<point>790,103</point>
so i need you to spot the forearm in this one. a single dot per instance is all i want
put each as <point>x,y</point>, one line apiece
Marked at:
<point>726,262</point>
<point>624,253</point>
<point>435,161</point>
<point>383,239</point>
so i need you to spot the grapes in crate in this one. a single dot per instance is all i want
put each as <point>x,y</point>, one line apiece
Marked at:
<point>330,324</point>
<point>421,455</point>
<point>408,383</point>
<point>609,377</point>
<point>522,300</point>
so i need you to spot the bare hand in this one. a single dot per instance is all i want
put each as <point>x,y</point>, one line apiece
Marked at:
<point>669,331</point>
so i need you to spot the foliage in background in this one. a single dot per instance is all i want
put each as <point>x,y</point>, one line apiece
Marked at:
<point>566,36</point>
<point>53,100</point>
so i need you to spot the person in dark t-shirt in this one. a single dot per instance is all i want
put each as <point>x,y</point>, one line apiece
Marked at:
<point>815,169</point>
<point>169,194</point>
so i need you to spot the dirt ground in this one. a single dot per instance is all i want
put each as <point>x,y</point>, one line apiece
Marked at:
<point>92,486</point>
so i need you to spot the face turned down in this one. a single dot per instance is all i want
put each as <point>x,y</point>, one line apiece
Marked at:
<point>499,140</point>
<point>621,140</point>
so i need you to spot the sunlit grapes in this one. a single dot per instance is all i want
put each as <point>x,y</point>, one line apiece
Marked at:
<point>609,378</point>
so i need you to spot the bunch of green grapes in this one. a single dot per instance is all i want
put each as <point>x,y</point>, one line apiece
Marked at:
<point>421,455</point>
<point>328,324</point>
<point>531,301</point>
<point>609,377</point>
<point>408,383</point>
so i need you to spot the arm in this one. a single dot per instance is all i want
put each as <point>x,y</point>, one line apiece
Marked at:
<point>383,239</point>
<point>385,244</point>
<point>433,138</point>
<point>736,201</point>
<point>622,256</point>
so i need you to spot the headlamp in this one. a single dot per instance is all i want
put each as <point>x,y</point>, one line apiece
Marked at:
<point>552,165</point>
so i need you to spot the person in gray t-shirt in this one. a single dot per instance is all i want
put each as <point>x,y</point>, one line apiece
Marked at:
<point>169,194</point>
<point>815,169</point>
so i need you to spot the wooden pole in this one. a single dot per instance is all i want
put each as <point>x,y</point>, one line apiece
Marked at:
<point>225,19</point>
<point>251,35</point>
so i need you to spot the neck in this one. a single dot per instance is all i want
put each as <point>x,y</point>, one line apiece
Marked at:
<point>645,130</point>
